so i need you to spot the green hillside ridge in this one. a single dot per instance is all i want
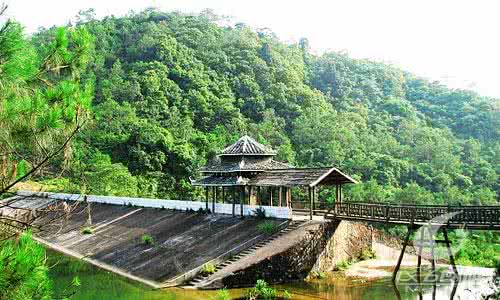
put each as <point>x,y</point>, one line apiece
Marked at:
<point>171,90</point>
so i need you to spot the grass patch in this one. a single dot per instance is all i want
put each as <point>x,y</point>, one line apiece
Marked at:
<point>267,227</point>
<point>87,230</point>
<point>286,295</point>
<point>147,239</point>
<point>318,275</point>
<point>208,268</point>
<point>344,265</point>
<point>263,291</point>
<point>367,254</point>
<point>222,294</point>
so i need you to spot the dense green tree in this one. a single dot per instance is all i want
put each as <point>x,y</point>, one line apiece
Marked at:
<point>171,90</point>
<point>44,102</point>
<point>23,271</point>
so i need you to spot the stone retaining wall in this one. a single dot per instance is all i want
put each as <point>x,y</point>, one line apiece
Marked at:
<point>320,248</point>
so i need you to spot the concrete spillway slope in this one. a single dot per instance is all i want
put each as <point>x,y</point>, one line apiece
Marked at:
<point>183,241</point>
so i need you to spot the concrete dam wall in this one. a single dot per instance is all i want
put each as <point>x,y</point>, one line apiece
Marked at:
<point>183,241</point>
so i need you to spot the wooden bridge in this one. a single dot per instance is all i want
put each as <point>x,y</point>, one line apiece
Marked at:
<point>430,219</point>
<point>467,217</point>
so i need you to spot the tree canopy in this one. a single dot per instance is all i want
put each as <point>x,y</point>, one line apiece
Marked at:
<point>172,89</point>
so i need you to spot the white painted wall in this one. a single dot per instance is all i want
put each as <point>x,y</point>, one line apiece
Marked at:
<point>220,208</point>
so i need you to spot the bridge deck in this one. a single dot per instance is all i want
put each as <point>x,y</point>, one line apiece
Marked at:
<point>472,217</point>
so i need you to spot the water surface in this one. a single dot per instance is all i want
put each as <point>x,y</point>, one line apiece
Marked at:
<point>103,285</point>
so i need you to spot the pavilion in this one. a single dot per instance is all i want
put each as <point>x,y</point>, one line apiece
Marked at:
<point>246,173</point>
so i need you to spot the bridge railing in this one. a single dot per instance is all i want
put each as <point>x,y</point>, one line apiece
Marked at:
<point>403,213</point>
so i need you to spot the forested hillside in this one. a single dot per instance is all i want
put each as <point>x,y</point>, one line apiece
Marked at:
<point>171,90</point>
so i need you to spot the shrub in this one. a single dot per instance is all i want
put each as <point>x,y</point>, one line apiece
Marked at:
<point>222,294</point>
<point>262,291</point>
<point>367,254</point>
<point>260,213</point>
<point>208,268</point>
<point>267,227</point>
<point>318,275</point>
<point>286,295</point>
<point>24,271</point>
<point>343,265</point>
<point>147,239</point>
<point>87,230</point>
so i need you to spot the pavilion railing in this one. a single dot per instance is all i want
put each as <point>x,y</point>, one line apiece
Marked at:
<point>400,213</point>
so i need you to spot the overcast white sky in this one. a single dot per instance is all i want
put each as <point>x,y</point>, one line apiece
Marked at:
<point>454,41</point>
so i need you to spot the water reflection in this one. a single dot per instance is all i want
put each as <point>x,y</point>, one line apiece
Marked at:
<point>420,288</point>
<point>344,289</point>
<point>99,284</point>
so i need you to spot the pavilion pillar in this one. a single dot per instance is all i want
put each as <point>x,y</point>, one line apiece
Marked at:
<point>252,195</point>
<point>311,199</point>
<point>234,200</point>
<point>340,193</point>
<point>289,197</point>
<point>280,196</point>
<point>314,198</point>
<point>242,198</point>
<point>271,196</point>
<point>285,194</point>
<point>214,198</point>
<point>250,190</point>
<point>223,195</point>
<point>286,197</point>
<point>206,198</point>
<point>338,197</point>
<point>259,196</point>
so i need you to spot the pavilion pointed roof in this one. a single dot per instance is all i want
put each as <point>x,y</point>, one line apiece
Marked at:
<point>247,146</point>
<point>247,162</point>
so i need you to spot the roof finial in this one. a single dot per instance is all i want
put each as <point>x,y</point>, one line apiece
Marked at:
<point>247,146</point>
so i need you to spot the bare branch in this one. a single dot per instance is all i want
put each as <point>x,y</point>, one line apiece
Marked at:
<point>3,8</point>
<point>44,161</point>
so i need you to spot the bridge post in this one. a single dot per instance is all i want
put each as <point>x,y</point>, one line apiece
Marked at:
<point>400,259</point>
<point>420,248</point>
<point>450,254</point>
<point>432,242</point>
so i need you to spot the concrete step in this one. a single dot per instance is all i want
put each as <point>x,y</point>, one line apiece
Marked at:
<point>249,251</point>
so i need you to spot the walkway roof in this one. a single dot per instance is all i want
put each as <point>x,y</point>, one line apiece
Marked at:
<point>281,177</point>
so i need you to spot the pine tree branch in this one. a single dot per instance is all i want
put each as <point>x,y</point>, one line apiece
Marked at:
<point>44,161</point>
